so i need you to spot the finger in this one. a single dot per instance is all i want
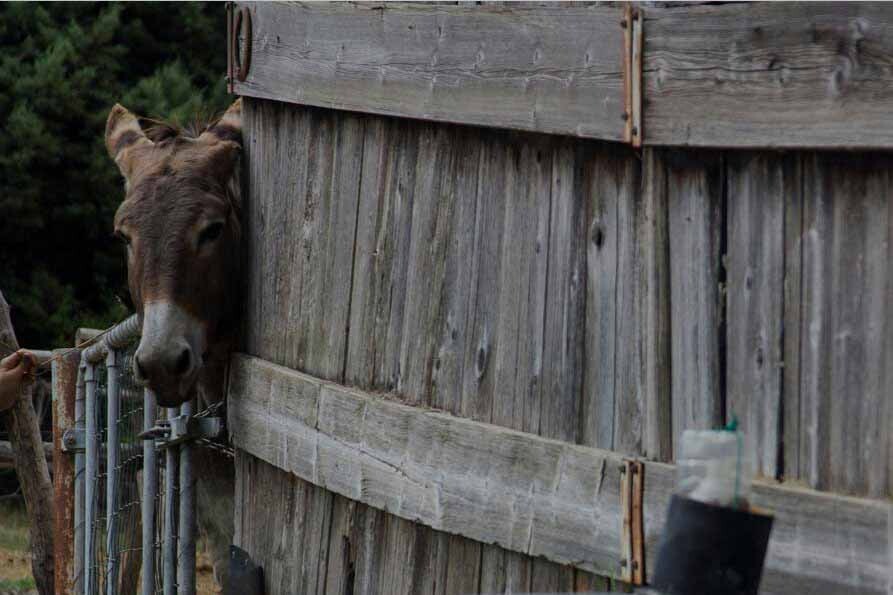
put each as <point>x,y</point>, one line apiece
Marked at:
<point>28,359</point>
<point>11,361</point>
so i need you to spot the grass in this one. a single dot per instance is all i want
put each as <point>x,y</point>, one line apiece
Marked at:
<point>13,526</point>
<point>20,584</point>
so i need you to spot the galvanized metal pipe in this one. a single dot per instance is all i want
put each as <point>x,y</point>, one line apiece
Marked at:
<point>186,558</point>
<point>169,545</point>
<point>112,467</point>
<point>150,488</point>
<point>90,495</point>
<point>117,338</point>
<point>79,533</point>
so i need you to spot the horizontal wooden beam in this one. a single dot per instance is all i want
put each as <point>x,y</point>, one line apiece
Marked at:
<point>495,485</point>
<point>749,75</point>
<point>520,67</point>
<point>770,74</point>
<point>528,494</point>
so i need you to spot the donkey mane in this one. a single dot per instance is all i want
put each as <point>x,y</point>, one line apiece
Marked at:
<point>159,131</point>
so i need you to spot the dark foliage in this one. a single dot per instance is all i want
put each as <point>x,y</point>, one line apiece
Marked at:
<point>62,67</point>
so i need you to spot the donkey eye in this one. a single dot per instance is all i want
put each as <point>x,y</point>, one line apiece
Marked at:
<point>210,233</point>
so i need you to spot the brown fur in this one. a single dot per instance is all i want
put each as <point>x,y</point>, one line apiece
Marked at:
<point>178,185</point>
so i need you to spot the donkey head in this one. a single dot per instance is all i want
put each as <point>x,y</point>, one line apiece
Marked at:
<point>180,222</point>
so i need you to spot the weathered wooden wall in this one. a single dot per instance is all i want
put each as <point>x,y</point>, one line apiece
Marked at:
<point>567,288</point>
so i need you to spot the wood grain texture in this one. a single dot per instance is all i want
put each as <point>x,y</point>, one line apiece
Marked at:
<point>515,66</point>
<point>64,378</point>
<point>769,75</point>
<point>757,187</point>
<point>626,375</point>
<point>792,328</point>
<point>443,471</point>
<point>845,327</point>
<point>300,225</point>
<point>495,485</point>
<point>694,202</point>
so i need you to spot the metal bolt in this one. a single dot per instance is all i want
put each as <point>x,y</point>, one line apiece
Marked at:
<point>623,563</point>
<point>623,23</point>
<point>623,468</point>
<point>624,116</point>
<point>634,469</point>
<point>635,565</point>
<point>635,131</point>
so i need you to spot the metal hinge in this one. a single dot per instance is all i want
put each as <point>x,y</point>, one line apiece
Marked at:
<point>238,54</point>
<point>184,428</point>
<point>632,536</point>
<point>632,74</point>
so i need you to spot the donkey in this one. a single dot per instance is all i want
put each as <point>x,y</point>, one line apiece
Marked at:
<point>180,221</point>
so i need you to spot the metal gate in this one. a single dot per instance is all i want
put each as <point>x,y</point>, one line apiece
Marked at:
<point>134,491</point>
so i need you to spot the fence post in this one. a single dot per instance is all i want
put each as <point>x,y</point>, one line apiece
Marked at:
<point>79,476</point>
<point>186,558</point>
<point>113,451</point>
<point>169,545</point>
<point>65,383</point>
<point>90,496</point>
<point>150,488</point>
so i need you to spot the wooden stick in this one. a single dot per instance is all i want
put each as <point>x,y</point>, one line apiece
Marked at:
<point>31,467</point>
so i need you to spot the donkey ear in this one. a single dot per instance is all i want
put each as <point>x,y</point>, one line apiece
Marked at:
<point>227,128</point>
<point>122,135</point>
<point>221,159</point>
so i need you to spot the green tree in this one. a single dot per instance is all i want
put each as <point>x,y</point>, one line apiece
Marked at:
<point>62,67</point>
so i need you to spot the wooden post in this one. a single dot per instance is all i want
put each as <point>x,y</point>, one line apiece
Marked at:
<point>31,467</point>
<point>65,374</point>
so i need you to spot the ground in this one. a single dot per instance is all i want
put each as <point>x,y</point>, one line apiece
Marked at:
<point>15,565</point>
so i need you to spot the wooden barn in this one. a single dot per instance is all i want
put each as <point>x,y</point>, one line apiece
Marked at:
<point>500,256</point>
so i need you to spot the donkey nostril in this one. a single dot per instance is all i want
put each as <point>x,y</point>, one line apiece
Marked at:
<point>183,363</point>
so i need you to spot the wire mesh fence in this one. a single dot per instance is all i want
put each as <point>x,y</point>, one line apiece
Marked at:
<point>128,503</point>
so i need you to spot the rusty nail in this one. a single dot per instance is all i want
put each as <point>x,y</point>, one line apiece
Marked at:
<point>635,130</point>
<point>634,469</point>
<point>623,23</point>
<point>635,565</point>
<point>624,116</point>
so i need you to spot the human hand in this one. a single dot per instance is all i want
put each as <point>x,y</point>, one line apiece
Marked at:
<point>13,372</point>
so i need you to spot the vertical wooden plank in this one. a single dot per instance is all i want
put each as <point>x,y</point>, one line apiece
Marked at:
<point>564,330</point>
<point>602,187</point>
<point>654,381</point>
<point>792,327</point>
<point>816,323</point>
<point>846,277</point>
<point>432,225</point>
<point>448,368</point>
<point>304,176</point>
<point>695,225</point>
<point>626,403</point>
<point>565,304</point>
<point>585,582</point>
<point>757,187</point>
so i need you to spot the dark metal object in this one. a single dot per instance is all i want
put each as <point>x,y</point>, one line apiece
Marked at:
<point>74,440</point>
<point>711,549</point>
<point>184,428</point>
<point>239,21</point>
<point>245,577</point>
